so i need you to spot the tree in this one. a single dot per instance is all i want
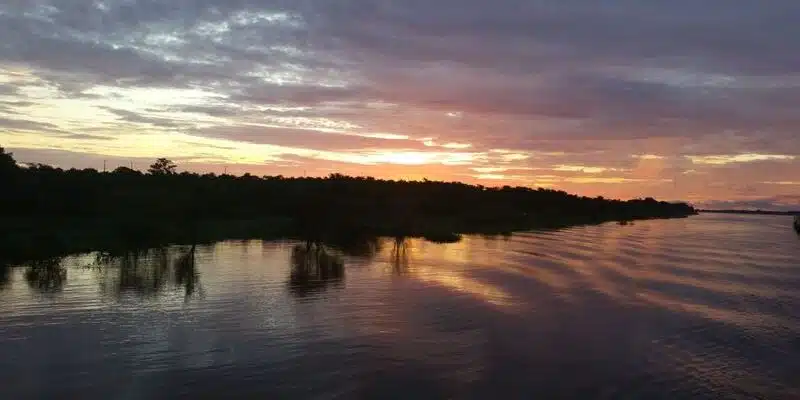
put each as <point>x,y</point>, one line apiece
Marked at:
<point>162,166</point>
<point>125,170</point>
<point>7,162</point>
<point>8,169</point>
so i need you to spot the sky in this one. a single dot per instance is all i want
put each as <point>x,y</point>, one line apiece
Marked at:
<point>679,100</point>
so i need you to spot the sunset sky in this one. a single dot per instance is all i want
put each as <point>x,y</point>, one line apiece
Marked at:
<point>679,100</point>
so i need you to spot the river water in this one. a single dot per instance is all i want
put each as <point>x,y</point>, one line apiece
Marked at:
<point>705,307</point>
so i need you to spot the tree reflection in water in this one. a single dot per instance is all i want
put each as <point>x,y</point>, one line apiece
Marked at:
<point>149,273</point>
<point>366,247</point>
<point>185,274</point>
<point>5,275</point>
<point>399,256</point>
<point>314,268</point>
<point>46,276</point>
<point>143,273</point>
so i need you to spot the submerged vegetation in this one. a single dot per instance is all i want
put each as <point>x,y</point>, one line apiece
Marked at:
<point>49,211</point>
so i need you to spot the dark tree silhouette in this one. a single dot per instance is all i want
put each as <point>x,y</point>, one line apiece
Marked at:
<point>126,171</point>
<point>52,211</point>
<point>7,162</point>
<point>8,170</point>
<point>162,166</point>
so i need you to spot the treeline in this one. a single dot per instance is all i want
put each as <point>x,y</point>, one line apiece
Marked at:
<point>67,208</point>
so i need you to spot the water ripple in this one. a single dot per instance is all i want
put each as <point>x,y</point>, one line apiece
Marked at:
<point>705,307</point>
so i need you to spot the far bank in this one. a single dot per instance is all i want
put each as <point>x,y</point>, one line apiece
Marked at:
<point>48,211</point>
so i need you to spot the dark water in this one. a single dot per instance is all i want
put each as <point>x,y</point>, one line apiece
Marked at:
<point>707,307</point>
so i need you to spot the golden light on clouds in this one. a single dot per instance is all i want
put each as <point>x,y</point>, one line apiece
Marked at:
<point>419,157</point>
<point>583,168</point>
<point>648,157</point>
<point>739,158</point>
<point>449,145</point>
<point>495,177</point>
<point>489,170</point>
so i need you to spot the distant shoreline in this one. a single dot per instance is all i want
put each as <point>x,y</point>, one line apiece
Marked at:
<point>750,212</point>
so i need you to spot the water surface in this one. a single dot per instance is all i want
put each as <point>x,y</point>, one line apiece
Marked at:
<point>706,307</point>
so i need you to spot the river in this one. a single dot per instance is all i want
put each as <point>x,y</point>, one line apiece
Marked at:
<point>705,307</point>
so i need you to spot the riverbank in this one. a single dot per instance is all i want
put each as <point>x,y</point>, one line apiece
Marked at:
<point>48,211</point>
<point>23,239</point>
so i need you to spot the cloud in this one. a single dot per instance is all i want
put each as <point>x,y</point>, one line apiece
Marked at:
<point>8,89</point>
<point>137,118</point>
<point>289,136</point>
<point>600,92</point>
<point>785,183</point>
<point>584,169</point>
<point>739,158</point>
<point>26,125</point>
<point>648,156</point>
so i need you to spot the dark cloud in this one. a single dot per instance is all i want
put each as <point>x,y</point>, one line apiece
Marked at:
<point>552,58</point>
<point>734,33</point>
<point>300,95</point>
<point>134,117</point>
<point>46,46</point>
<point>213,111</point>
<point>525,58</point>
<point>8,89</point>
<point>25,125</point>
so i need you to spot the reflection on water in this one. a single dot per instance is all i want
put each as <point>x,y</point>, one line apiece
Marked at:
<point>147,273</point>
<point>705,307</point>
<point>5,275</point>
<point>313,269</point>
<point>186,275</point>
<point>47,276</point>
<point>358,246</point>
<point>399,256</point>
